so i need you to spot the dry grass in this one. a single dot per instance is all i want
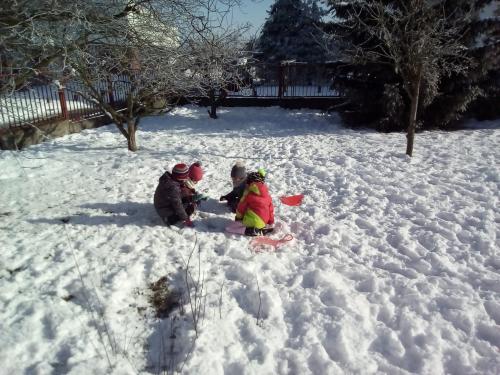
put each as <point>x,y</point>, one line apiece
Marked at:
<point>163,299</point>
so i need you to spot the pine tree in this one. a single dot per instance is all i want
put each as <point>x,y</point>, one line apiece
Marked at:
<point>366,85</point>
<point>376,89</point>
<point>290,32</point>
<point>476,92</point>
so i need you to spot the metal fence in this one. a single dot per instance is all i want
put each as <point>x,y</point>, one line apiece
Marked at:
<point>40,101</point>
<point>113,91</point>
<point>288,80</point>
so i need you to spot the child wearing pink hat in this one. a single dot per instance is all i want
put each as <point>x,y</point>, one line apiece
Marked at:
<point>190,198</point>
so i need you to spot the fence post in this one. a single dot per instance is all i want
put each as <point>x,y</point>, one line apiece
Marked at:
<point>281,81</point>
<point>110,93</point>
<point>62,101</point>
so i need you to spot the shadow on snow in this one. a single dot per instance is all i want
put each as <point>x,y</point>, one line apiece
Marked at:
<point>209,218</point>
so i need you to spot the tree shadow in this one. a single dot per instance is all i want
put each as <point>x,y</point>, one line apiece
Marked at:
<point>213,206</point>
<point>194,120</point>
<point>210,217</point>
<point>213,224</point>
<point>172,338</point>
<point>119,214</point>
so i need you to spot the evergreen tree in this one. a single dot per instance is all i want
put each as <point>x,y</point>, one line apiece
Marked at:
<point>366,85</point>
<point>376,89</point>
<point>476,92</point>
<point>290,32</point>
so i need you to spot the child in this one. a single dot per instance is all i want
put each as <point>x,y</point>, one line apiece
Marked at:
<point>168,199</point>
<point>238,176</point>
<point>190,198</point>
<point>256,208</point>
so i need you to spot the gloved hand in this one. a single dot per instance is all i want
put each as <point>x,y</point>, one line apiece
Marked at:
<point>223,198</point>
<point>199,197</point>
<point>188,223</point>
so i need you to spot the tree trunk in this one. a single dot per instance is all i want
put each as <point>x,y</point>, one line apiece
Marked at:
<point>213,110</point>
<point>213,105</point>
<point>131,129</point>
<point>415,93</point>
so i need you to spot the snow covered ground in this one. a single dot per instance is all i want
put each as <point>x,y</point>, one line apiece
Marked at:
<point>394,267</point>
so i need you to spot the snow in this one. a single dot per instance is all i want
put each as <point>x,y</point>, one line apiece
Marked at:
<point>394,267</point>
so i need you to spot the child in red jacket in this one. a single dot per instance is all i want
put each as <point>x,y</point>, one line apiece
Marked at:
<point>256,208</point>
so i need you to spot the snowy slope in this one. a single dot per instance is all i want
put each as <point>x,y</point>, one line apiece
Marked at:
<point>394,267</point>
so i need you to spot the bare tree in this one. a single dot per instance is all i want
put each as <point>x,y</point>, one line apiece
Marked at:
<point>143,45</point>
<point>36,33</point>
<point>221,66</point>
<point>217,48</point>
<point>417,39</point>
<point>147,51</point>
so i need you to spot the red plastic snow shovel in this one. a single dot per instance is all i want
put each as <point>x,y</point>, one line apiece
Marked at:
<point>259,242</point>
<point>292,200</point>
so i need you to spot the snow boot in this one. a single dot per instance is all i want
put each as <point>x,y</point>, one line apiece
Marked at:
<point>267,230</point>
<point>253,232</point>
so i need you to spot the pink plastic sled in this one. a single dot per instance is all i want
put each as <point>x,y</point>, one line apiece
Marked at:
<point>236,227</point>
<point>258,243</point>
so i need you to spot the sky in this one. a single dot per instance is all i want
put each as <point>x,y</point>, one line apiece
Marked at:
<point>252,11</point>
<point>255,12</point>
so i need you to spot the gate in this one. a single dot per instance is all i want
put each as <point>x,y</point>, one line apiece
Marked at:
<point>288,80</point>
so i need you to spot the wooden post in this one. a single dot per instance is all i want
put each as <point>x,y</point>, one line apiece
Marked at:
<point>62,101</point>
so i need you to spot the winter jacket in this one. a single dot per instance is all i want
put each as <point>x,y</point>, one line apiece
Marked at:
<point>188,198</point>
<point>168,200</point>
<point>256,206</point>
<point>233,198</point>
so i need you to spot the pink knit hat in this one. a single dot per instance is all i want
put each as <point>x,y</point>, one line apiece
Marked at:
<point>195,172</point>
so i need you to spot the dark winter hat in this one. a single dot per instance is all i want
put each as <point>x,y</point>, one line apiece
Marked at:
<point>180,171</point>
<point>238,170</point>
<point>195,172</point>
<point>255,177</point>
